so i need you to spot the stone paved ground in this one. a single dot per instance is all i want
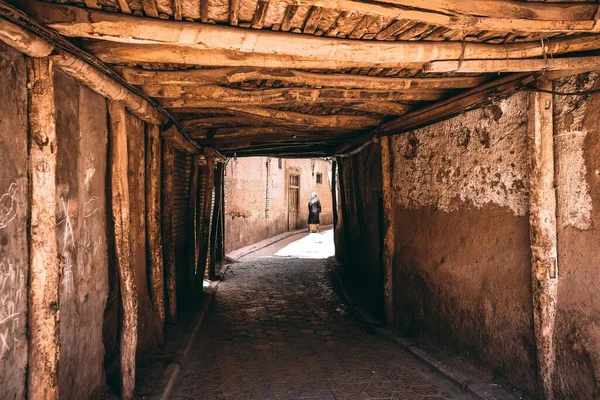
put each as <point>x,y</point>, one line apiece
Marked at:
<point>277,330</point>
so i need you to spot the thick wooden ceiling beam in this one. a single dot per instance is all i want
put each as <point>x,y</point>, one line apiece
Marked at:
<point>502,16</point>
<point>226,76</point>
<point>155,40</point>
<point>482,66</point>
<point>445,109</point>
<point>190,94</point>
<point>322,121</point>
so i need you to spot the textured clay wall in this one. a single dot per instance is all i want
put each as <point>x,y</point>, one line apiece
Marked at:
<point>462,274</point>
<point>359,229</point>
<point>577,141</point>
<point>14,257</point>
<point>247,219</point>
<point>81,174</point>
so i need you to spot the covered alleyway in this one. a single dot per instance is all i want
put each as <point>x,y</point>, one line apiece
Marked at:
<point>458,142</point>
<point>278,330</point>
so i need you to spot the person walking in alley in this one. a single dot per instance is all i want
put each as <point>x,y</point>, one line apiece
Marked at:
<point>314,209</point>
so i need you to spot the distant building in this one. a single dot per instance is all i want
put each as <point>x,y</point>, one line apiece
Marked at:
<point>267,196</point>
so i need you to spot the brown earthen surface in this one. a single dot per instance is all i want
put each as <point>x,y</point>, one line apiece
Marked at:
<point>577,333</point>
<point>14,257</point>
<point>81,126</point>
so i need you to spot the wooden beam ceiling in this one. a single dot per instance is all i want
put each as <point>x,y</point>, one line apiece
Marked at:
<point>232,75</point>
<point>129,39</point>
<point>480,15</point>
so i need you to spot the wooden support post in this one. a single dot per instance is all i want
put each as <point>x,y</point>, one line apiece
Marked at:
<point>153,185</point>
<point>216,215</point>
<point>192,209</point>
<point>205,220</point>
<point>388,229</point>
<point>542,231</point>
<point>334,193</point>
<point>119,188</point>
<point>169,245</point>
<point>223,211</point>
<point>44,266</point>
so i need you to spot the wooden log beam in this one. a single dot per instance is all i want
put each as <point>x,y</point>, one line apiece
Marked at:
<point>466,16</point>
<point>543,237</point>
<point>589,63</point>
<point>44,266</point>
<point>216,216</point>
<point>131,39</point>
<point>169,244</point>
<point>299,119</point>
<point>388,229</point>
<point>191,94</point>
<point>231,121</point>
<point>153,218</point>
<point>443,110</point>
<point>231,75</point>
<point>23,40</point>
<point>119,187</point>
<point>192,207</point>
<point>178,141</point>
<point>382,107</point>
<point>107,87</point>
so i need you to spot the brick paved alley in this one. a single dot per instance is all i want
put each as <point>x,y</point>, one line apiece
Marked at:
<point>277,330</point>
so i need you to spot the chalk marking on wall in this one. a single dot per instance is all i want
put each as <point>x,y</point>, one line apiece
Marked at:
<point>90,207</point>
<point>9,206</point>
<point>11,284</point>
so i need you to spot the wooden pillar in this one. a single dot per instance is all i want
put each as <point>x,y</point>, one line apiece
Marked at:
<point>44,266</point>
<point>542,231</point>
<point>216,216</point>
<point>334,193</point>
<point>388,229</point>
<point>205,220</point>
<point>153,185</point>
<point>169,245</point>
<point>119,190</point>
<point>192,205</point>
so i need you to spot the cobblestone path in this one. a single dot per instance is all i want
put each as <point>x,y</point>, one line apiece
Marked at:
<point>277,330</point>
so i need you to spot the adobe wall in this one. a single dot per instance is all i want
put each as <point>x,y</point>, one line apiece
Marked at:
<point>14,256</point>
<point>577,335</point>
<point>359,232</point>
<point>81,172</point>
<point>462,268</point>
<point>247,220</point>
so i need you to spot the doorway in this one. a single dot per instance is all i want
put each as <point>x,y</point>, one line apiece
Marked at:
<point>293,201</point>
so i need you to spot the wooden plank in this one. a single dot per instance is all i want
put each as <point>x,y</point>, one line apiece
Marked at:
<point>137,34</point>
<point>153,203</point>
<point>312,22</point>
<point>150,8</point>
<point>234,7</point>
<point>44,266</point>
<point>543,237</point>
<point>391,30</point>
<point>482,66</point>
<point>225,76</point>
<point>286,23</point>
<point>119,188</point>
<point>389,245</point>
<point>169,244</point>
<point>177,10</point>
<point>260,14</point>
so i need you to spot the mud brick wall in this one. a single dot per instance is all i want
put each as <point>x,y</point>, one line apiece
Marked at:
<point>14,256</point>
<point>359,230</point>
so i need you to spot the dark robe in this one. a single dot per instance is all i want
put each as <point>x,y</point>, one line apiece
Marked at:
<point>314,209</point>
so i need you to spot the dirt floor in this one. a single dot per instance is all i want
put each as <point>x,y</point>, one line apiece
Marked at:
<point>277,330</point>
